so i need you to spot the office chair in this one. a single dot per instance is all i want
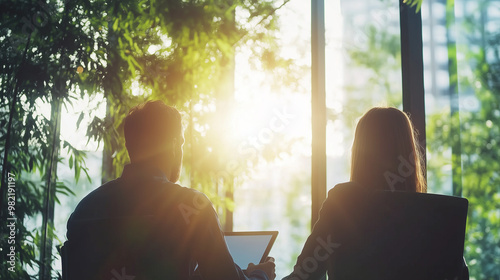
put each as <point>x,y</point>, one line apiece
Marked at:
<point>398,235</point>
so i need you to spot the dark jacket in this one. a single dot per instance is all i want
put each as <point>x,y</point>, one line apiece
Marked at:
<point>185,230</point>
<point>364,233</point>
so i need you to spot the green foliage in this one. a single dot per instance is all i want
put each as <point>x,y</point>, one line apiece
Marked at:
<point>37,53</point>
<point>479,132</point>
<point>130,51</point>
<point>181,52</point>
<point>481,165</point>
<point>378,62</point>
<point>381,55</point>
<point>414,3</point>
<point>477,136</point>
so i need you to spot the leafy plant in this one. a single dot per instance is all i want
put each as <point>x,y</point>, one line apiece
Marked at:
<point>129,51</point>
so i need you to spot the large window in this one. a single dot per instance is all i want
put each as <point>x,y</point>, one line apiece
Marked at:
<point>461,59</point>
<point>275,122</point>
<point>260,119</point>
<point>363,70</point>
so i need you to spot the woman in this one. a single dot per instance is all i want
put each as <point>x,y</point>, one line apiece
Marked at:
<point>385,156</point>
<point>384,151</point>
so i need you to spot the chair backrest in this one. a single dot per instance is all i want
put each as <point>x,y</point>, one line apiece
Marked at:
<point>398,235</point>
<point>123,248</point>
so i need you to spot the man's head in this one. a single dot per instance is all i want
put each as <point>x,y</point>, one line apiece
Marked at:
<point>153,135</point>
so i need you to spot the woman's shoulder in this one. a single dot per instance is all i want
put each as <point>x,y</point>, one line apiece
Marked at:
<point>348,191</point>
<point>347,187</point>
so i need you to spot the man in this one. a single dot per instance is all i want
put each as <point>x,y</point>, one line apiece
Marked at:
<point>181,228</point>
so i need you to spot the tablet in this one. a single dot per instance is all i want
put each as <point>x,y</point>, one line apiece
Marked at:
<point>249,246</point>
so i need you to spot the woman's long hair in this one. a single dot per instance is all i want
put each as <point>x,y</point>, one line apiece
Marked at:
<point>385,152</point>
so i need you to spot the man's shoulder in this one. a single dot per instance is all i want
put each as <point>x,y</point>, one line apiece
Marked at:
<point>117,198</point>
<point>96,196</point>
<point>119,188</point>
<point>184,193</point>
<point>99,191</point>
<point>193,198</point>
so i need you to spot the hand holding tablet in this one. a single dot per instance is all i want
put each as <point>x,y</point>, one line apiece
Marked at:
<point>269,268</point>
<point>250,246</point>
<point>251,249</point>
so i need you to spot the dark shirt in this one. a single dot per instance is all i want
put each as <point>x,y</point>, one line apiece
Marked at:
<point>188,231</point>
<point>364,233</point>
<point>321,245</point>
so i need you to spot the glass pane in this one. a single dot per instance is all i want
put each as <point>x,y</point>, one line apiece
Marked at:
<point>463,115</point>
<point>363,70</point>
<point>275,125</point>
<point>77,137</point>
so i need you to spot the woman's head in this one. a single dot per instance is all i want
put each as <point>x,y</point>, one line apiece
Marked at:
<point>385,152</point>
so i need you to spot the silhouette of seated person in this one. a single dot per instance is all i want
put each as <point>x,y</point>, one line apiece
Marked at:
<point>384,140</point>
<point>180,228</point>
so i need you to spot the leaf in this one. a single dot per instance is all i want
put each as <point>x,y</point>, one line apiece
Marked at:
<point>77,171</point>
<point>87,174</point>
<point>128,38</point>
<point>80,118</point>
<point>62,188</point>
<point>413,3</point>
